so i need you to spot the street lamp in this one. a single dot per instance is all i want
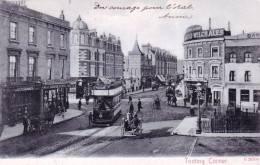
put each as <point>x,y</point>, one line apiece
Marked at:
<point>198,131</point>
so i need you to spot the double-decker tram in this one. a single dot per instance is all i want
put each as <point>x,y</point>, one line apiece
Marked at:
<point>106,103</point>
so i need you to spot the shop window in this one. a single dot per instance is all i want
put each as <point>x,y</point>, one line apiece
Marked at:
<point>214,72</point>
<point>247,76</point>
<point>32,36</point>
<point>214,51</point>
<point>12,66</point>
<point>13,31</point>
<point>232,76</point>
<point>256,95</point>
<point>32,66</point>
<point>199,52</point>
<point>49,63</point>
<point>232,57</point>
<point>248,57</point>
<point>245,95</point>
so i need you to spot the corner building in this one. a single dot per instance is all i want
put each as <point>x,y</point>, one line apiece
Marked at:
<point>34,62</point>
<point>92,55</point>
<point>204,52</point>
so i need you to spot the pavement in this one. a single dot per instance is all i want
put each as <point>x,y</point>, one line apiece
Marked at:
<point>17,130</point>
<point>188,127</point>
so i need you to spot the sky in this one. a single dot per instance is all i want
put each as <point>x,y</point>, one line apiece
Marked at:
<point>166,33</point>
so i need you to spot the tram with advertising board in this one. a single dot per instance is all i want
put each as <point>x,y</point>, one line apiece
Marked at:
<point>106,102</point>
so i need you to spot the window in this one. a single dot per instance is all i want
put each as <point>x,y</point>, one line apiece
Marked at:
<point>248,57</point>
<point>214,72</point>
<point>232,58</point>
<point>245,95</point>
<point>189,53</point>
<point>256,96</point>
<point>82,38</point>
<point>31,34</point>
<point>100,71</point>
<point>12,66</point>
<point>93,70</point>
<point>200,71</point>
<point>247,76</point>
<point>232,76</point>
<point>62,68</point>
<point>13,31</point>
<point>62,40</point>
<point>49,63</point>
<point>31,66</point>
<point>199,53</point>
<point>92,56</point>
<point>75,38</point>
<point>49,38</point>
<point>214,52</point>
<point>189,71</point>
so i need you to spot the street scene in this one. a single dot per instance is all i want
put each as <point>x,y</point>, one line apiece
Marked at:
<point>104,79</point>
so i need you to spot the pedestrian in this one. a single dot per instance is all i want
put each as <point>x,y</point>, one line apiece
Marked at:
<point>139,105</point>
<point>185,100</point>
<point>87,99</point>
<point>191,111</point>
<point>131,109</point>
<point>174,100</point>
<point>25,123</point>
<point>169,99</point>
<point>130,99</point>
<point>79,104</point>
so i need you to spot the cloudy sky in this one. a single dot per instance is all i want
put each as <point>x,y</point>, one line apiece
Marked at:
<point>166,33</point>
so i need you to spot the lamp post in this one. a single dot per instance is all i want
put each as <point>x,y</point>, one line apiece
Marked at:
<point>80,85</point>
<point>198,131</point>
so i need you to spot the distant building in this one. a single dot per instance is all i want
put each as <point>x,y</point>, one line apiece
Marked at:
<point>164,64</point>
<point>92,55</point>
<point>34,62</point>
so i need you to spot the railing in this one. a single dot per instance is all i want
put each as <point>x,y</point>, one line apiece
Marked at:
<point>243,122</point>
<point>14,80</point>
<point>33,79</point>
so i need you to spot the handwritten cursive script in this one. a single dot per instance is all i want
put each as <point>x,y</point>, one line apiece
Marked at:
<point>176,16</point>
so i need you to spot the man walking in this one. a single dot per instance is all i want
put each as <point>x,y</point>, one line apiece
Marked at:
<point>130,99</point>
<point>139,105</point>
<point>25,124</point>
<point>79,104</point>
<point>131,109</point>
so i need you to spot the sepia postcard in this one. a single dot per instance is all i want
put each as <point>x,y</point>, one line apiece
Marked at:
<point>130,82</point>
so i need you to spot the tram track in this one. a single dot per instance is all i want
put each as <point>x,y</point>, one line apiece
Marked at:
<point>46,150</point>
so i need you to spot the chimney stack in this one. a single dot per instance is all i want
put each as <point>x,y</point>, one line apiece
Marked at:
<point>62,15</point>
<point>228,26</point>
<point>209,23</point>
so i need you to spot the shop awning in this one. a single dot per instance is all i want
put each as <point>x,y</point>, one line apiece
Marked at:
<point>161,78</point>
<point>105,80</point>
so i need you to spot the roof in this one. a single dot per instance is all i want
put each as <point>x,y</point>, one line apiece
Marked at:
<point>80,25</point>
<point>136,49</point>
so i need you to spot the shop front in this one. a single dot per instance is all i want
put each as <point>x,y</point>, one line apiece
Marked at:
<point>20,100</point>
<point>33,100</point>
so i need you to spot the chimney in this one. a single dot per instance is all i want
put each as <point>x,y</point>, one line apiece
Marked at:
<point>209,23</point>
<point>243,32</point>
<point>228,26</point>
<point>62,15</point>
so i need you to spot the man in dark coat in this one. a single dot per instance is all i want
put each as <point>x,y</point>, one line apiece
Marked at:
<point>139,105</point>
<point>130,99</point>
<point>25,124</point>
<point>131,109</point>
<point>79,104</point>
